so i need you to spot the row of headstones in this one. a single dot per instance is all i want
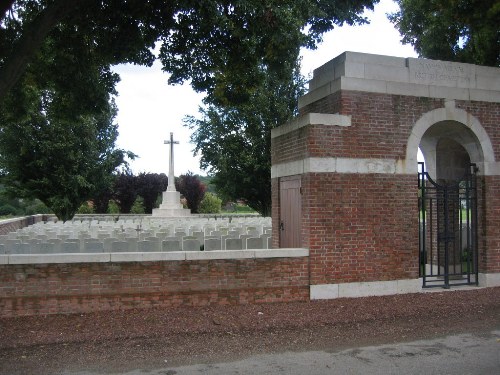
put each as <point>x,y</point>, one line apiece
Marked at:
<point>55,238</point>
<point>156,224</point>
<point>145,218</point>
<point>152,221</point>
<point>103,234</point>
<point>92,245</point>
<point>134,229</point>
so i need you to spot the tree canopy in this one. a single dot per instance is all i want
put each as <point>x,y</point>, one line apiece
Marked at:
<point>455,30</point>
<point>235,140</point>
<point>217,45</point>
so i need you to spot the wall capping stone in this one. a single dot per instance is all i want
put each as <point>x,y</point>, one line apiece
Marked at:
<point>326,119</point>
<point>403,76</point>
<point>149,256</point>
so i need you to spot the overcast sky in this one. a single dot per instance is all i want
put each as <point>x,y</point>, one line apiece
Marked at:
<point>149,109</point>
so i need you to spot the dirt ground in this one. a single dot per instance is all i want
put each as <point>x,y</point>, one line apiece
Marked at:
<point>119,341</point>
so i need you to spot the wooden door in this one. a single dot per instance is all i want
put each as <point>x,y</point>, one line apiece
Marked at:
<point>290,212</point>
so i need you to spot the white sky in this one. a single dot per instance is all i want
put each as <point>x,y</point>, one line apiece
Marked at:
<point>149,109</point>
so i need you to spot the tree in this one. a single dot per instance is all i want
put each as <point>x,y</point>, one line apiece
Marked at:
<point>149,187</point>
<point>125,191</point>
<point>49,154</point>
<point>235,141</point>
<point>102,198</point>
<point>57,133</point>
<point>138,206</point>
<point>192,189</point>
<point>456,30</point>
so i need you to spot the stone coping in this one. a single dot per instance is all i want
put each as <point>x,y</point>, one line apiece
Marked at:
<point>150,256</point>
<point>20,218</point>
<point>403,76</point>
<point>325,119</point>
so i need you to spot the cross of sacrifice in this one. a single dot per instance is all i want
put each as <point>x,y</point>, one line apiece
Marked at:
<point>171,178</point>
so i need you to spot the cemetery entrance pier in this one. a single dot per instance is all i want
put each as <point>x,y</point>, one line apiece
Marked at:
<point>353,150</point>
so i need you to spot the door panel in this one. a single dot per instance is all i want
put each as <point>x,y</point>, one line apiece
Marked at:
<point>290,212</point>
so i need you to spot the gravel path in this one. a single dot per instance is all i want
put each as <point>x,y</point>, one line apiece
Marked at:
<point>119,341</point>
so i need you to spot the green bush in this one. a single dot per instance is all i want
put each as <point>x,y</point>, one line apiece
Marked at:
<point>37,207</point>
<point>244,209</point>
<point>210,204</point>
<point>138,206</point>
<point>113,208</point>
<point>8,210</point>
<point>85,208</point>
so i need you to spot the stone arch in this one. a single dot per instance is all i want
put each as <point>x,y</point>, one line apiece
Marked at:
<point>462,127</point>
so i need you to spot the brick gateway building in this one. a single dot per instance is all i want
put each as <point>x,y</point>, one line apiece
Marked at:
<point>344,176</point>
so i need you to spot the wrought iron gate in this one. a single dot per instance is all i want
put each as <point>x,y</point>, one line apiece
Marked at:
<point>448,230</point>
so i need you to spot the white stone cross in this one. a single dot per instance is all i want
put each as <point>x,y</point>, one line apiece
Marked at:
<point>171,178</point>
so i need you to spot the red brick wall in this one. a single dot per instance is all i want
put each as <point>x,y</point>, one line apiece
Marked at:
<point>490,228</point>
<point>380,124</point>
<point>361,227</point>
<point>488,115</point>
<point>84,287</point>
<point>11,225</point>
<point>380,127</point>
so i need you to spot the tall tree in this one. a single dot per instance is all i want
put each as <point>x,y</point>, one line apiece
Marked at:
<point>456,30</point>
<point>235,140</point>
<point>125,191</point>
<point>58,160</point>
<point>57,133</point>
<point>192,189</point>
<point>149,187</point>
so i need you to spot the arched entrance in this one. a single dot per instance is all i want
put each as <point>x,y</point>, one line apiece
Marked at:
<point>448,215</point>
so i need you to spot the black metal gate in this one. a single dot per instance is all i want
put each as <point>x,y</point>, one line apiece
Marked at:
<point>448,230</point>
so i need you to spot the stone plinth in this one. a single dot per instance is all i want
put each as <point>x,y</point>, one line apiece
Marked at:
<point>171,206</point>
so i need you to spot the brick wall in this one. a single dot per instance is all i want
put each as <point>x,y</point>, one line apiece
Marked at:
<point>380,124</point>
<point>488,115</point>
<point>361,227</point>
<point>11,225</point>
<point>380,127</point>
<point>489,232</point>
<point>82,287</point>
